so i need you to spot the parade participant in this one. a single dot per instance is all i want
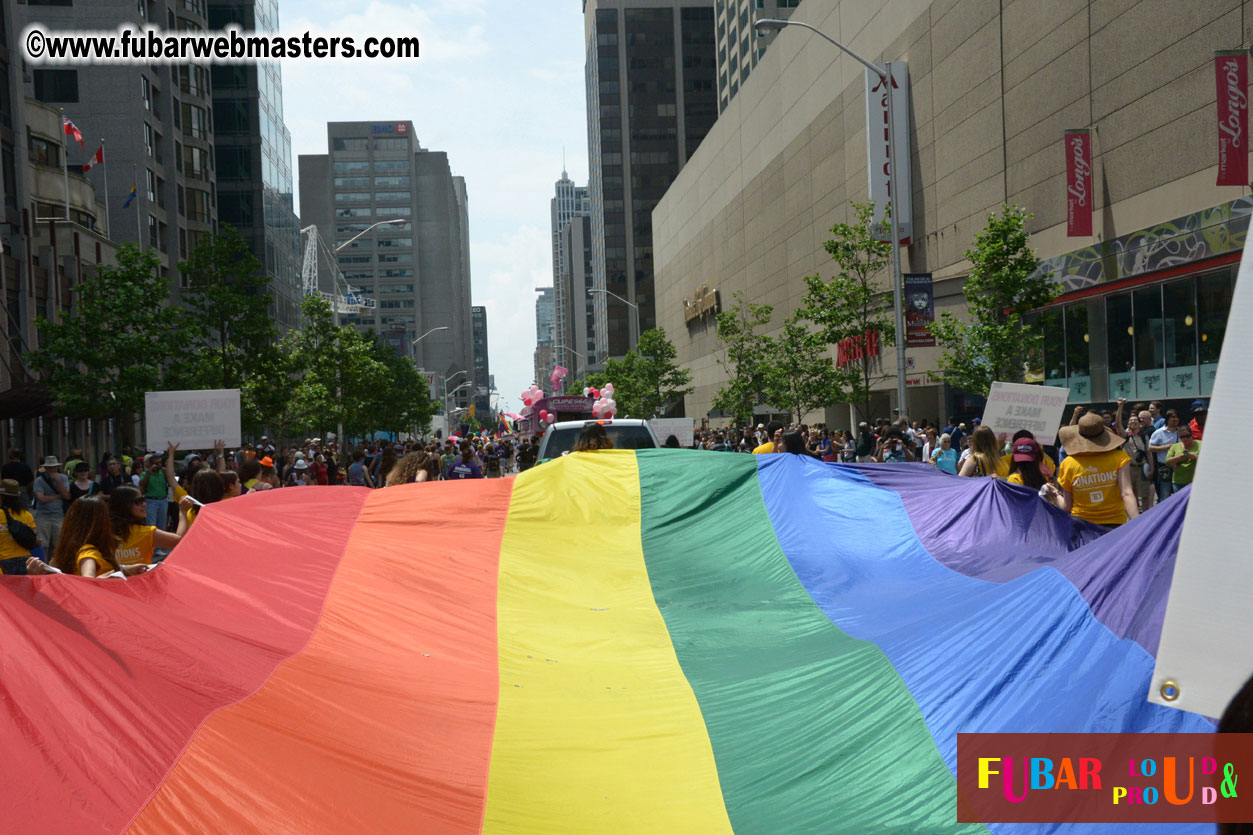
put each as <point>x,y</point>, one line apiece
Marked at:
<point>794,442</point>
<point>1157,419</point>
<point>234,487</point>
<point>1159,444</point>
<point>18,470</point>
<point>155,486</point>
<point>526,455</point>
<point>955,433</point>
<point>82,485</point>
<point>1007,460</point>
<point>16,518</point>
<point>773,442</point>
<point>466,466</point>
<point>491,461</point>
<point>113,476</point>
<point>944,457</point>
<point>250,473</point>
<point>1182,458</point>
<point>1137,449</point>
<point>866,443</point>
<point>136,541</point>
<point>894,448</point>
<point>319,469</point>
<point>86,547</point>
<point>300,474</point>
<point>594,437</point>
<point>1094,482</point>
<point>383,466</point>
<point>358,473</point>
<point>1197,424</point>
<point>985,456</point>
<point>207,487</point>
<point>434,467</point>
<point>52,494</point>
<point>407,469</point>
<point>1028,468</point>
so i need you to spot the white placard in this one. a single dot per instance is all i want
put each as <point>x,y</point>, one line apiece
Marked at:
<point>877,149</point>
<point>681,428</point>
<point>192,419</point>
<point>1205,648</point>
<point>1015,406</point>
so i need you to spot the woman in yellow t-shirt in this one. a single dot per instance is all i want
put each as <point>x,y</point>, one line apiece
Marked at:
<point>1095,479</point>
<point>136,541</point>
<point>85,544</point>
<point>13,556</point>
<point>985,456</point>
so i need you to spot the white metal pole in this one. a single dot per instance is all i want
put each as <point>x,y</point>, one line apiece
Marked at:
<point>897,281</point>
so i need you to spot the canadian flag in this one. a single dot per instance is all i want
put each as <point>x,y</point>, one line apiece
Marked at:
<point>96,159</point>
<point>71,129</point>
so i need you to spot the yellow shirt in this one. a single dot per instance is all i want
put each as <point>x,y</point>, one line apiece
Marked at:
<point>1015,478</point>
<point>764,449</point>
<point>251,483</point>
<point>91,553</point>
<point>9,548</point>
<point>138,546</point>
<point>1092,478</point>
<point>1007,464</point>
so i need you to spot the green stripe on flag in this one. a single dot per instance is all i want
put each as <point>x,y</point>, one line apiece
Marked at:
<point>812,730</point>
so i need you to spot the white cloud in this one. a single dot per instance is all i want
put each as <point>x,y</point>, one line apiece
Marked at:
<point>500,88</point>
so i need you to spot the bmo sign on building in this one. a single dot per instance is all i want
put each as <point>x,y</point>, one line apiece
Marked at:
<point>401,128</point>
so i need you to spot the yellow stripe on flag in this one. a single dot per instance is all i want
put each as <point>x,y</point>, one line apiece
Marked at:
<point>597,729</point>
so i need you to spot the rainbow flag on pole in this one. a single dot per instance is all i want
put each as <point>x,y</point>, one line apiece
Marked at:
<point>654,641</point>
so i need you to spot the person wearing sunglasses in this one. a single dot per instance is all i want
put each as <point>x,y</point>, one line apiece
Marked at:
<point>137,541</point>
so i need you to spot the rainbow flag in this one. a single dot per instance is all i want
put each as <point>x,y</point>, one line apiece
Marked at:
<point>653,641</point>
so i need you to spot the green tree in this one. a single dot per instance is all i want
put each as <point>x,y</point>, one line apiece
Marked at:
<point>403,403</point>
<point>744,357</point>
<point>227,300</point>
<point>851,308</point>
<point>113,345</point>
<point>799,376</point>
<point>1003,286</point>
<point>646,381</point>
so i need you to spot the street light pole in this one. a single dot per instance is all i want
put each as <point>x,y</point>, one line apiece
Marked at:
<point>884,72</point>
<point>635,310</point>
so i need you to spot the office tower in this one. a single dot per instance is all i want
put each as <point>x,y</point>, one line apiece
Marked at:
<point>154,119</point>
<point>253,157</point>
<point>545,319</point>
<point>570,201</point>
<point>740,45</point>
<point>576,239</point>
<point>417,269</point>
<point>651,98</point>
<point>482,370</point>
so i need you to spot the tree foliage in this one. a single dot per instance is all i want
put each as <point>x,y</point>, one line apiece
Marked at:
<point>1003,286</point>
<point>647,381</point>
<point>111,348</point>
<point>851,306</point>
<point>744,357</point>
<point>799,376</point>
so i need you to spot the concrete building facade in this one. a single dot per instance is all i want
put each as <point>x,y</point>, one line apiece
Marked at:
<point>482,366</point>
<point>992,88</point>
<point>545,329</point>
<point>740,43</point>
<point>651,97</point>
<point>156,120</point>
<point>253,157</point>
<point>417,271</point>
<point>580,312</point>
<point>569,202</point>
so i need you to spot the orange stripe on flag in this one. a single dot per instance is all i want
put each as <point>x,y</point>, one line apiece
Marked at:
<point>401,665</point>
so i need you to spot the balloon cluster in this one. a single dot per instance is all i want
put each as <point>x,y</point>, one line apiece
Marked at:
<point>532,396</point>
<point>604,407</point>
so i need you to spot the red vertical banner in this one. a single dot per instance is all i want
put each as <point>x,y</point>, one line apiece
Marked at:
<point>1231,82</point>
<point>1079,183</point>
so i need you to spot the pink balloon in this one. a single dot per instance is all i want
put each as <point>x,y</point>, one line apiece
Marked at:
<point>550,419</point>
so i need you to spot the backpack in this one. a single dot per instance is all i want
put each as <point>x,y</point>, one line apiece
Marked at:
<point>22,533</point>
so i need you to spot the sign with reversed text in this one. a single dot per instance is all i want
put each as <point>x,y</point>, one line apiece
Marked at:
<point>192,419</point>
<point>1014,406</point>
<point>1231,83</point>
<point>879,157</point>
<point>1078,183</point>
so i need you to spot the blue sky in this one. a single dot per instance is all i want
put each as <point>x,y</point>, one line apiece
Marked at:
<point>499,87</point>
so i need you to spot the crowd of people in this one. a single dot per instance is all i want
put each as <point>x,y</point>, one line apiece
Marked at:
<point>125,513</point>
<point>1104,467</point>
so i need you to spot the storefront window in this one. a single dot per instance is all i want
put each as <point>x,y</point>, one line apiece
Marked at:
<point>1179,333</point>
<point>1120,346</point>
<point>1054,347</point>
<point>1077,352</point>
<point>1150,348</point>
<point>1214,293</point>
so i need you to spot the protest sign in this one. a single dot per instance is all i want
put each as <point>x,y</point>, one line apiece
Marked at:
<point>1014,406</point>
<point>192,419</point>
<point>681,428</point>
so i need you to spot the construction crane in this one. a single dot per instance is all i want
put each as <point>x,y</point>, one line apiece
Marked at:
<point>350,301</point>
